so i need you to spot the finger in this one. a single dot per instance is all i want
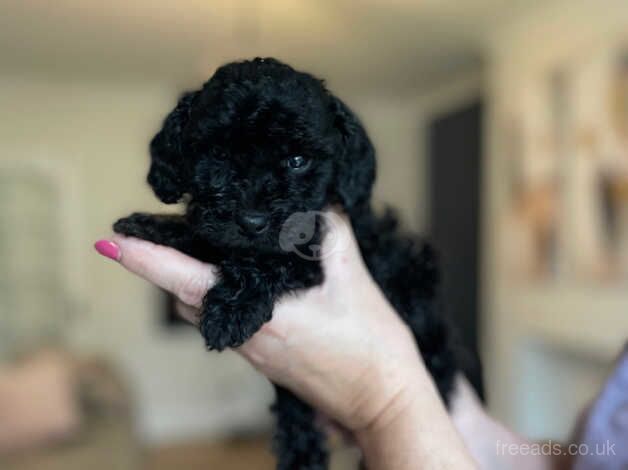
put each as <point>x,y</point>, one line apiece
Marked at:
<point>187,312</point>
<point>185,277</point>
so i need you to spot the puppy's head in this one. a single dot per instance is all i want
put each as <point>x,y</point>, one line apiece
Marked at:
<point>256,144</point>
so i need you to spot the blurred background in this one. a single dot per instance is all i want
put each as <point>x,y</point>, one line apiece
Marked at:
<point>502,132</point>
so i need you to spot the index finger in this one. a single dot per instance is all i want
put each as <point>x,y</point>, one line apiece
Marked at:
<point>187,278</point>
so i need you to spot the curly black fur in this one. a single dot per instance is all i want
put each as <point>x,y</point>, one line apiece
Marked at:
<point>256,144</point>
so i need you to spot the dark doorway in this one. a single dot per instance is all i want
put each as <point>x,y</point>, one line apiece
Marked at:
<point>455,146</point>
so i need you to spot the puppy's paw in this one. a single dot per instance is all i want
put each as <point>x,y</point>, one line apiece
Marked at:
<point>139,224</point>
<point>163,229</point>
<point>228,323</point>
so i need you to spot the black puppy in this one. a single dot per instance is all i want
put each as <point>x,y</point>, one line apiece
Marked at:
<point>257,144</point>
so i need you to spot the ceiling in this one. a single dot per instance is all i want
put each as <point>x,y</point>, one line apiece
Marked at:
<point>370,43</point>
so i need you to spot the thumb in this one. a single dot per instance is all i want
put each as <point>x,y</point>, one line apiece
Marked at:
<point>341,253</point>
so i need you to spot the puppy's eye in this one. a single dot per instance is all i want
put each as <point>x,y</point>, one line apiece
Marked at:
<point>298,164</point>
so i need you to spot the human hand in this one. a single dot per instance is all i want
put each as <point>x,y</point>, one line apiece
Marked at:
<point>340,346</point>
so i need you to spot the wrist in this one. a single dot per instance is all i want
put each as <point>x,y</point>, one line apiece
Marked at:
<point>414,427</point>
<point>399,405</point>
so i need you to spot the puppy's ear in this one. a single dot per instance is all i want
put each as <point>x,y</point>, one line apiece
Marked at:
<point>355,170</point>
<point>167,174</point>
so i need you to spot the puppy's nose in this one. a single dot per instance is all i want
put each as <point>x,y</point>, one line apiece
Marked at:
<point>253,222</point>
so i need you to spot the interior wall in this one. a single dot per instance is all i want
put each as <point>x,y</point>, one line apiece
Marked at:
<point>398,126</point>
<point>394,126</point>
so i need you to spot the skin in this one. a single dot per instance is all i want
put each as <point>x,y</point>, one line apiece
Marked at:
<point>342,348</point>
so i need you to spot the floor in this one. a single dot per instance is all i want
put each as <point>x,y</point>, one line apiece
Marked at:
<point>236,454</point>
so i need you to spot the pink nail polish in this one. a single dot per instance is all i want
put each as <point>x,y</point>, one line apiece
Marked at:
<point>108,249</point>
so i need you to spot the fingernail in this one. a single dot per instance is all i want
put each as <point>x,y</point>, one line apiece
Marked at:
<point>108,249</point>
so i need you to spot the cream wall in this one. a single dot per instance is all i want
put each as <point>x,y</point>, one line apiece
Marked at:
<point>398,126</point>
<point>394,127</point>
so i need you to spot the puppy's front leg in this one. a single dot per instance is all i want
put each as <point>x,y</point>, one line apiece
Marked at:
<point>236,307</point>
<point>169,230</point>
